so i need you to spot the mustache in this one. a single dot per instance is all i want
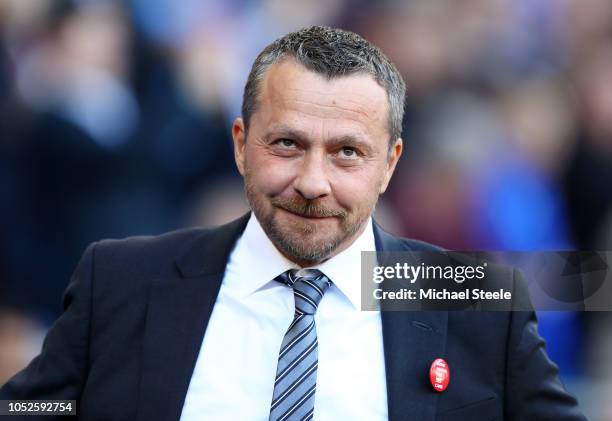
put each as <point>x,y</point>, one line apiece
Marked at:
<point>309,208</point>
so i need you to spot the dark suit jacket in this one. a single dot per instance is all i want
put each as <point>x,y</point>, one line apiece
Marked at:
<point>136,311</point>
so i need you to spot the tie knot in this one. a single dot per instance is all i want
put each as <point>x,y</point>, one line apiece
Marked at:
<point>308,285</point>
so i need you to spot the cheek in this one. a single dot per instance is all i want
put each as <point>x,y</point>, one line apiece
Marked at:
<point>267,173</point>
<point>357,190</point>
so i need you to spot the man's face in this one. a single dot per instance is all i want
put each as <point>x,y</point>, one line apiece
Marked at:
<point>315,159</point>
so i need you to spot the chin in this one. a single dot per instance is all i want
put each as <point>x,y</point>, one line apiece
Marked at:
<point>312,233</point>
<point>306,247</point>
<point>309,256</point>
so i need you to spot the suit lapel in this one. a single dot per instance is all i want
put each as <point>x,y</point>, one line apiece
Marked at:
<point>177,315</point>
<point>412,340</point>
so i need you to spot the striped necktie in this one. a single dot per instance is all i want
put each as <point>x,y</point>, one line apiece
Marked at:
<point>296,372</point>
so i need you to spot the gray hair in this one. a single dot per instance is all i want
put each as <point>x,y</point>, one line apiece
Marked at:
<point>333,53</point>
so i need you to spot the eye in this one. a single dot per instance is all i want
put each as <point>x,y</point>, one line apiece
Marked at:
<point>286,143</point>
<point>348,152</point>
<point>285,147</point>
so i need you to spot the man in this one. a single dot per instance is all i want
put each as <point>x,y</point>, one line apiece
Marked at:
<point>220,324</point>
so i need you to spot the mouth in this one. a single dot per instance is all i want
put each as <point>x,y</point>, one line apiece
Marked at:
<point>310,217</point>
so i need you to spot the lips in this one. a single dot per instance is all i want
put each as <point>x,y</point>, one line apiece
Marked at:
<point>304,215</point>
<point>310,209</point>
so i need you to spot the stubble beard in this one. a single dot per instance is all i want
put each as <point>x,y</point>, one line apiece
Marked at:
<point>297,241</point>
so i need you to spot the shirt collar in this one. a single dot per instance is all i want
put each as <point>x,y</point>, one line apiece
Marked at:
<point>344,269</point>
<point>262,262</point>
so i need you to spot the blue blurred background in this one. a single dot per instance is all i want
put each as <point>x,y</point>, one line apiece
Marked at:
<point>115,120</point>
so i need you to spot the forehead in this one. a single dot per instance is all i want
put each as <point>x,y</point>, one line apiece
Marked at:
<point>292,94</point>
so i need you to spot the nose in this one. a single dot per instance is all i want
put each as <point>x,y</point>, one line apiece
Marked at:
<point>312,181</point>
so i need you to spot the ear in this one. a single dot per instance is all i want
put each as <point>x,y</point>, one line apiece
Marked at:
<point>239,136</point>
<point>394,155</point>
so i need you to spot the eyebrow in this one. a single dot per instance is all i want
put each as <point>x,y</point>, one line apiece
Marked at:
<point>283,131</point>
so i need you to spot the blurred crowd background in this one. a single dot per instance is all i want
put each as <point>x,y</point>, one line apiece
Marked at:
<point>115,120</point>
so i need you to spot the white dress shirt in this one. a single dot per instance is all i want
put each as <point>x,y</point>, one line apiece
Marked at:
<point>234,374</point>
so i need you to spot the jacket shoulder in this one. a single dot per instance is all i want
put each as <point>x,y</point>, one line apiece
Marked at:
<point>386,241</point>
<point>154,253</point>
<point>150,243</point>
<point>175,253</point>
<point>418,245</point>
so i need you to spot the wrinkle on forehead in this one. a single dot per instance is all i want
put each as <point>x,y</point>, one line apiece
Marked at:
<point>290,87</point>
<point>346,106</point>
